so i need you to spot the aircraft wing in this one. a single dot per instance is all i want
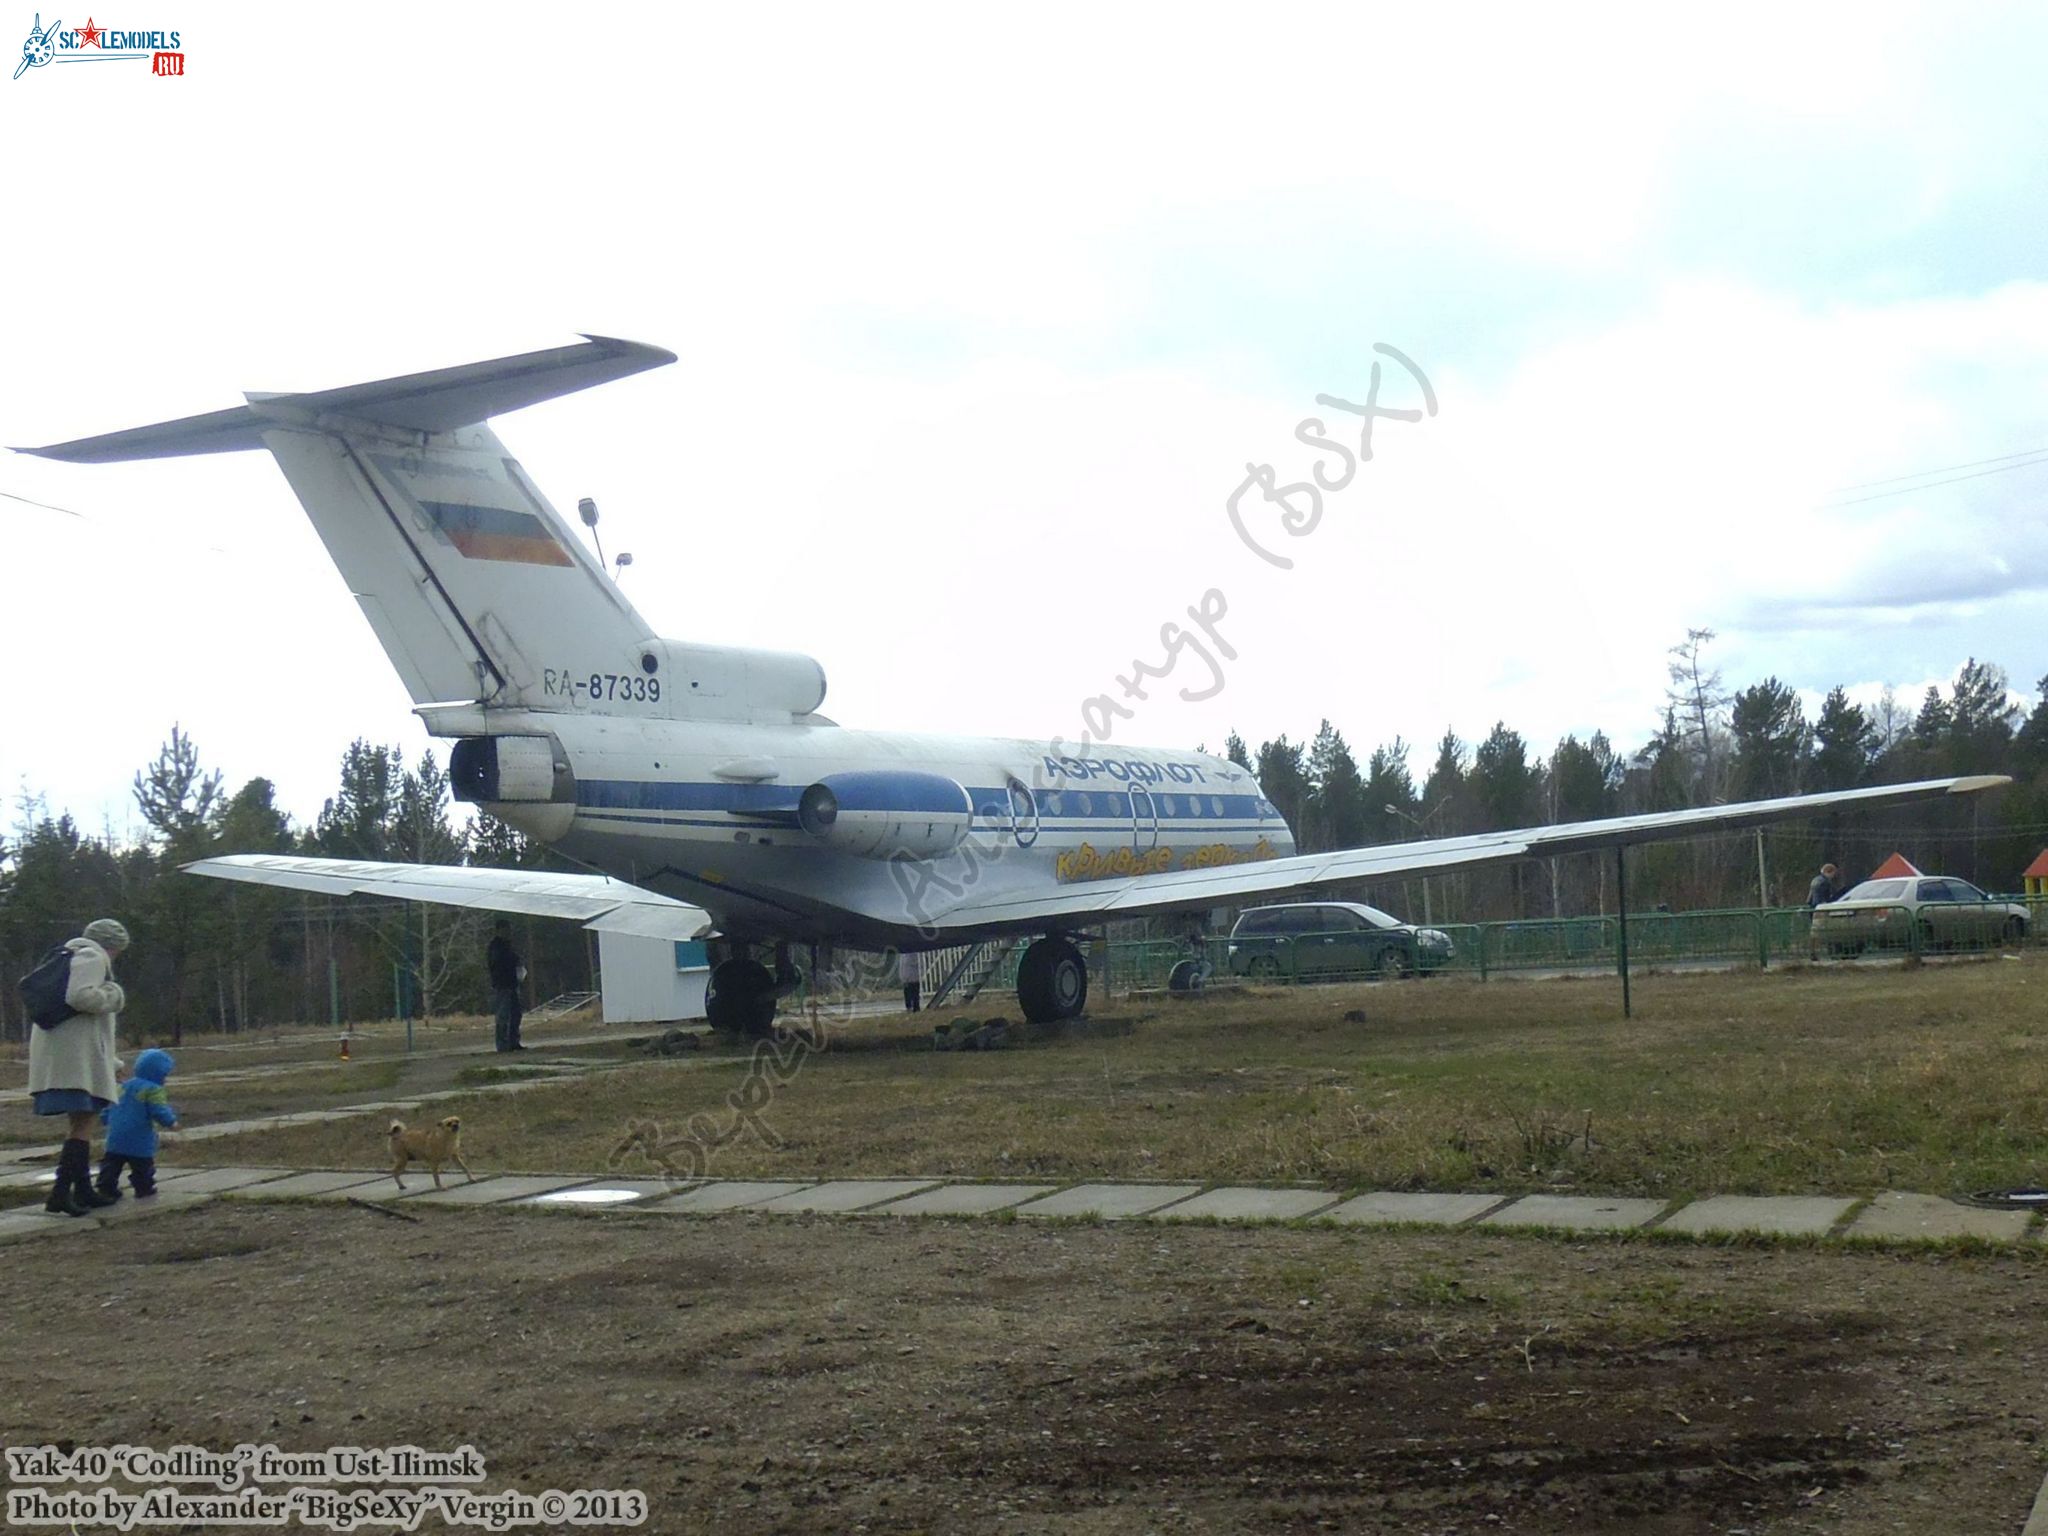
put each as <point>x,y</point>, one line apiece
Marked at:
<point>1190,889</point>
<point>596,901</point>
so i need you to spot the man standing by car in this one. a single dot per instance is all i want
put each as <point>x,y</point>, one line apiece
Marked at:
<point>1823,889</point>
<point>506,975</point>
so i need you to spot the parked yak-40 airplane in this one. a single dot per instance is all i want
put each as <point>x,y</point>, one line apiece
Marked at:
<point>699,783</point>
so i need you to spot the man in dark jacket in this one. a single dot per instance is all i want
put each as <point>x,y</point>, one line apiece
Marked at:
<point>506,975</point>
<point>1823,889</point>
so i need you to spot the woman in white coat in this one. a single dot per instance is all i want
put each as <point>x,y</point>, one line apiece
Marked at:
<point>71,1065</point>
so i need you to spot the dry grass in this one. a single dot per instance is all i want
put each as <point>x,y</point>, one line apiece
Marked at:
<point>1792,1081</point>
<point>201,1101</point>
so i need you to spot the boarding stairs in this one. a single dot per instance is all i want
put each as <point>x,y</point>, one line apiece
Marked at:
<point>964,970</point>
<point>560,1007</point>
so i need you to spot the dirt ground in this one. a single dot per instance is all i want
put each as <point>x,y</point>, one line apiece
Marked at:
<point>821,1376</point>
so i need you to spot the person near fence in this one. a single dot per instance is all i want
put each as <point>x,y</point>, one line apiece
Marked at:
<point>910,971</point>
<point>507,975</point>
<point>1823,889</point>
<point>71,1064</point>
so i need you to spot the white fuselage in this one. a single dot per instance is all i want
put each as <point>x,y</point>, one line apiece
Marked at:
<point>706,811</point>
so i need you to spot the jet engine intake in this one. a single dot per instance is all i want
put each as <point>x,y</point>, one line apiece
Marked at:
<point>879,814</point>
<point>507,770</point>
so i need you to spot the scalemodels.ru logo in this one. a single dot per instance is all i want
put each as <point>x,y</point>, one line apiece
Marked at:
<point>93,43</point>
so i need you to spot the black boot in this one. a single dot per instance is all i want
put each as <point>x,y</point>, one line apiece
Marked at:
<point>63,1200</point>
<point>81,1177</point>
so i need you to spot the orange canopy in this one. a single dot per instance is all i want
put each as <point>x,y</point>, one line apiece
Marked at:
<point>1896,867</point>
<point>2038,870</point>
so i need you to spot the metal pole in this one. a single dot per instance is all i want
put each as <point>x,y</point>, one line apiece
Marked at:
<point>1621,918</point>
<point>1763,892</point>
<point>333,972</point>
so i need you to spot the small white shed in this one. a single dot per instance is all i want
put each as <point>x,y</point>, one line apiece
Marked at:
<point>651,981</point>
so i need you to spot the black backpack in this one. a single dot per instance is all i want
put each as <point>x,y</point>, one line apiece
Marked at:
<point>43,989</point>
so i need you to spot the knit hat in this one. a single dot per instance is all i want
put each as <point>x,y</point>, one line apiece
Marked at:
<point>107,933</point>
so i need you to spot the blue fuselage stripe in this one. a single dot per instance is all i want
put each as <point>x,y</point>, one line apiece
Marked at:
<point>1082,807</point>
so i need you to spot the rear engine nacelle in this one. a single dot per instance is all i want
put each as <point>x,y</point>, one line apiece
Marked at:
<point>726,682</point>
<point>509,770</point>
<point>878,815</point>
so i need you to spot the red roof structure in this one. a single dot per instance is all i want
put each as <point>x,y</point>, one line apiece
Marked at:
<point>2038,870</point>
<point>1897,867</point>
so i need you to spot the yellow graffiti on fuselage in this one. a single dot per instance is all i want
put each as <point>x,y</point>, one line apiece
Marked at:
<point>1088,863</point>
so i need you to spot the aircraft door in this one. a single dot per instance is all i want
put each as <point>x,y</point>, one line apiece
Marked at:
<point>1144,819</point>
<point>1023,813</point>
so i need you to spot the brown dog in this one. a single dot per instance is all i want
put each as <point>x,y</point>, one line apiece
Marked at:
<point>433,1145</point>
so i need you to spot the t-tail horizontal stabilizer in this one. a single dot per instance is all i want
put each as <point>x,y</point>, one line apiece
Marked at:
<point>438,401</point>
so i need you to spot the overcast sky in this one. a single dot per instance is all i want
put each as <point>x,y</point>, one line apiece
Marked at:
<point>983,316</point>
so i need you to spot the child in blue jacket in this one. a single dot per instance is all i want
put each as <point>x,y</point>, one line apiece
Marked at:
<point>131,1127</point>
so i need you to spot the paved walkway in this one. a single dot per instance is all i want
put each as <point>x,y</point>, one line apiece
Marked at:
<point>1890,1217</point>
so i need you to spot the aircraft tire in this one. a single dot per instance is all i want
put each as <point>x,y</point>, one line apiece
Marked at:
<point>740,999</point>
<point>1052,981</point>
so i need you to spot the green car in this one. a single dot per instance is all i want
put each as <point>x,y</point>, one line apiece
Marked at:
<point>1326,940</point>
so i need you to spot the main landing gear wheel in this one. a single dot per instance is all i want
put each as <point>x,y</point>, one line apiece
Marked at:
<point>1052,981</point>
<point>740,999</point>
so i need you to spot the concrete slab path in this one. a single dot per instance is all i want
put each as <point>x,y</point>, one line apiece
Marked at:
<point>1426,1209</point>
<point>967,1199</point>
<point>727,1195</point>
<point>1249,1205</point>
<point>1576,1213</point>
<point>1109,1202</point>
<point>844,1196</point>
<point>1780,1215</point>
<point>1895,1214</point>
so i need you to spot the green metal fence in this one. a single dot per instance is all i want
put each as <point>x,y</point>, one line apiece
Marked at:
<point>1656,940</point>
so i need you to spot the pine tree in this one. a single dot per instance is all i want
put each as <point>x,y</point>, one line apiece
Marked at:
<point>1340,810</point>
<point>1389,793</point>
<point>1585,779</point>
<point>1982,717</point>
<point>1284,778</point>
<point>1845,743</point>
<point>1667,776</point>
<point>356,823</point>
<point>2032,740</point>
<point>1503,781</point>
<point>1771,741</point>
<point>1445,784</point>
<point>176,796</point>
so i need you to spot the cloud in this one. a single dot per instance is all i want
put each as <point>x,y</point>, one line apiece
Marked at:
<point>979,329</point>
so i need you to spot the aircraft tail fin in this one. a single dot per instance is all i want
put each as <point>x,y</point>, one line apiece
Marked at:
<point>476,587</point>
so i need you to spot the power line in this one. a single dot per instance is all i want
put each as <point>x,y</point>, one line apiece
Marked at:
<point>46,506</point>
<point>1907,490</point>
<point>1941,469</point>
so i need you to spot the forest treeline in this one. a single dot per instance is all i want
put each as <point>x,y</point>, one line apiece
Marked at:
<point>223,955</point>
<point>1715,744</point>
<point>215,954</point>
